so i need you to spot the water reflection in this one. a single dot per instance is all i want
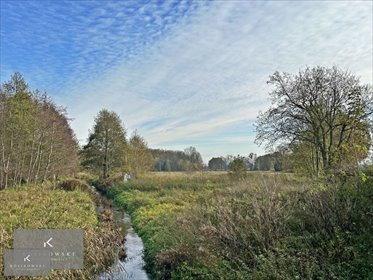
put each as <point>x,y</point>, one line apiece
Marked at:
<point>133,266</point>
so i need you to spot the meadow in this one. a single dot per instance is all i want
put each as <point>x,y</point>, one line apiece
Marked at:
<point>214,225</point>
<point>41,206</point>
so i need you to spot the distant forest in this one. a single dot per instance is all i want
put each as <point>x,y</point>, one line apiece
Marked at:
<point>167,160</point>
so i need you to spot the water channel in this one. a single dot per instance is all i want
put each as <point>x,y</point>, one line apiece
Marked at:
<point>133,265</point>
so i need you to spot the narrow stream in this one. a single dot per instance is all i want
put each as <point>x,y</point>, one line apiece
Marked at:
<point>133,266</point>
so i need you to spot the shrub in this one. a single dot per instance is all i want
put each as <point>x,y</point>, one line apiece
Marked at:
<point>238,166</point>
<point>73,185</point>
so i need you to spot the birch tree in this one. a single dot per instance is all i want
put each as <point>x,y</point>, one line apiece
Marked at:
<point>36,141</point>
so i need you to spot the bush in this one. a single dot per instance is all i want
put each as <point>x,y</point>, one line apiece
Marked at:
<point>73,185</point>
<point>238,166</point>
<point>87,177</point>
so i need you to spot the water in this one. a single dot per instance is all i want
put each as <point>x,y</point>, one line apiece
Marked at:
<point>133,266</point>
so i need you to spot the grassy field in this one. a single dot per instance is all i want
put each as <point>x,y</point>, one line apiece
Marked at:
<point>40,206</point>
<point>260,226</point>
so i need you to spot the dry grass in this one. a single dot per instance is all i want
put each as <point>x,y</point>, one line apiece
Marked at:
<point>261,225</point>
<point>41,207</point>
<point>188,217</point>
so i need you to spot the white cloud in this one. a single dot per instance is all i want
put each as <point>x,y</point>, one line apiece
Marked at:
<point>198,78</point>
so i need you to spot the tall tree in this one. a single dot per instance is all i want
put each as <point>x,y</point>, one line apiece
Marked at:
<point>140,157</point>
<point>325,107</point>
<point>107,145</point>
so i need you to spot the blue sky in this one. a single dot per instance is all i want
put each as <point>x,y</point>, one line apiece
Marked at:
<point>180,72</point>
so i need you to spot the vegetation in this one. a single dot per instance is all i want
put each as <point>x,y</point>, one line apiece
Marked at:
<point>205,225</point>
<point>37,143</point>
<point>238,165</point>
<point>324,111</point>
<point>108,152</point>
<point>263,226</point>
<point>43,206</point>
<point>166,160</point>
<point>217,163</point>
<point>38,149</point>
<point>105,151</point>
<point>140,157</point>
<point>276,161</point>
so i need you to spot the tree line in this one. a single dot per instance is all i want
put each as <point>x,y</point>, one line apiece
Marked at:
<point>320,122</point>
<point>108,151</point>
<point>37,143</point>
<point>167,160</point>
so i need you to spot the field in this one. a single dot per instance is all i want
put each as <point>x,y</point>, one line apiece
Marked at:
<point>41,206</point>
<point>258,226</point>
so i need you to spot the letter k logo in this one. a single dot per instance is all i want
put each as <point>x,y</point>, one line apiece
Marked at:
<point>27,258</point>
<point>47,243</point>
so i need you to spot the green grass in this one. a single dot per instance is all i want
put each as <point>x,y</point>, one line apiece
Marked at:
<point>39,207</point>
<point>259,226</point>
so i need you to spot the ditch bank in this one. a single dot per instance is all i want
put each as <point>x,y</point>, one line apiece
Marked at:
<point>129,261</point>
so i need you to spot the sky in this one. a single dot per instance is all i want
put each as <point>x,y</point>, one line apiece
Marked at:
<point>181,73</point>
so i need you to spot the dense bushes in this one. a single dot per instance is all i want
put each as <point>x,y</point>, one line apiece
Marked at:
<point>265,226</point>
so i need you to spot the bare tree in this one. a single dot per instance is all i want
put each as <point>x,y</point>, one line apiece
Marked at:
<point>325,107</point>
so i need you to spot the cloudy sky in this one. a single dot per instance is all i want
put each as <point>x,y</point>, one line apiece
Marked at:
<point>183,73</point>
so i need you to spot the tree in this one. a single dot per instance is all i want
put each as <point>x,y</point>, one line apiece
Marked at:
<point>238,166</point>
<point>140,157</point>
<point>250,161</point>
<point>36,141</point>
<point>194,157</point>
<point>228,159</point>
<point>325,107</point>
<point>167,166</point>
<point>106,147</point>
<point>265,163</point>
<point>217,163</point>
